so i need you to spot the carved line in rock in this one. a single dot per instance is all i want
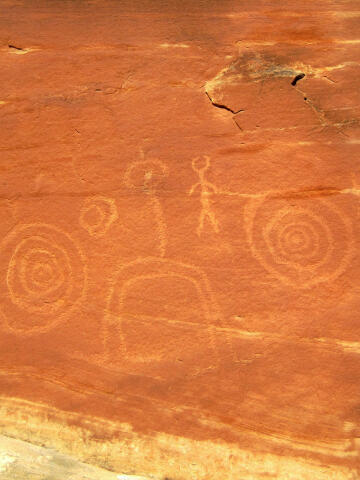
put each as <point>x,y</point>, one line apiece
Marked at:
<point>300,246</point>
<point>147,269</point>
<point>44,277</point>
<point>104,212</point>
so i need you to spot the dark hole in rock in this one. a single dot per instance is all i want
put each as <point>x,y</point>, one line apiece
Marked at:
<point>297,78</point>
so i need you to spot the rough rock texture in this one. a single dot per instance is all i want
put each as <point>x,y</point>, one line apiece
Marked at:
<point>179,236</point>
<point>20,461</point>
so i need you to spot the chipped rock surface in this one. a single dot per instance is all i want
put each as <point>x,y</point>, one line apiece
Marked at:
<point>179,238</point>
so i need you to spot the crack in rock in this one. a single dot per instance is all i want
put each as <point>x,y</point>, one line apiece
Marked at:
<point>261,83</point>
<point>219,105</point>
<point>15,48</point>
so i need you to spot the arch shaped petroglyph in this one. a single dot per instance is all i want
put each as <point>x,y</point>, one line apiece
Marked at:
<point>146,176</point>
<point>97,215</point>
<point>200,165</point>
<point>302,243</point>
<point>43,275</point>
<point>152,268</point>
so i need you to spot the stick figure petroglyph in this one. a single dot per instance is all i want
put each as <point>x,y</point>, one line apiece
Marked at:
<point>200,165</point>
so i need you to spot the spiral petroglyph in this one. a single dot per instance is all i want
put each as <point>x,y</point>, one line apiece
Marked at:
<point>43,277</point>
<point>300,243</point>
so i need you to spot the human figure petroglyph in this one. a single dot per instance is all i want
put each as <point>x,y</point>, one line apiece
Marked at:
<point>200,165</point>
<point>145,176</point>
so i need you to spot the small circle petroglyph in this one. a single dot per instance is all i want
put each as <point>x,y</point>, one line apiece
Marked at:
<point>43,275</point>
<point>97,215</point>
<point>302,242</point>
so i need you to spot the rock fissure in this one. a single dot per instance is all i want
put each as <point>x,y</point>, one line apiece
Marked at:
<point>225,107</point>
<point>15,47</point>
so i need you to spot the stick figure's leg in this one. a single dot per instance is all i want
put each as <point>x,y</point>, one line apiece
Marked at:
<point>213,220</point>
<point>201,222</point>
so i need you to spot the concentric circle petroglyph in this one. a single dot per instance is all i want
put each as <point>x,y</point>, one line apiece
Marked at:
<point>302,242</point>
<point>43,277</point>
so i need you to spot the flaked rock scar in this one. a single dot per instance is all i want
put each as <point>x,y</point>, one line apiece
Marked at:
<point>250,69</point>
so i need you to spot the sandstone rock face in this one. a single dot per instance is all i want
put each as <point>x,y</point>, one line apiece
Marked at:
<point>179,236</point>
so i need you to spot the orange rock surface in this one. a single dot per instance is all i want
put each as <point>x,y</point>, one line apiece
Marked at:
<point>179,235</point>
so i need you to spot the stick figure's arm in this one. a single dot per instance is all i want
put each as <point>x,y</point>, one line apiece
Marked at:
<point>211,187</point>
<point>193,188</point>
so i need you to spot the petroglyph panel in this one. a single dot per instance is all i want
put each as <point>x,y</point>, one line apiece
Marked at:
<point>180,239</point>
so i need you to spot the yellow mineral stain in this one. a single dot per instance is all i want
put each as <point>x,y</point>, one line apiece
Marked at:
<point>174,45</point>
<point>21,51</point>
<point>200,459</point>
